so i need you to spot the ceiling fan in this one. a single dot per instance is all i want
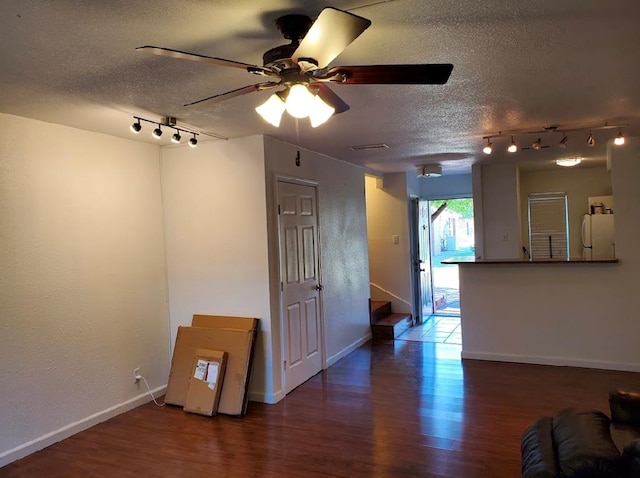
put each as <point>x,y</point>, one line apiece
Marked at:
<point>301,67</point>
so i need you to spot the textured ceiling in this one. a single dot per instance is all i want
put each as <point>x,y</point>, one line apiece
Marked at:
<point>517,65</point>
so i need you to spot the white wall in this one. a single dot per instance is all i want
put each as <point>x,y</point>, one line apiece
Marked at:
<point>82,282</point>
<point>500,215</point>
<point>563,314</point>
<point>577,183</point>
<point>216,236</point>
<point>343,247</point>
<point>389,264</point>
<point>446,187</point>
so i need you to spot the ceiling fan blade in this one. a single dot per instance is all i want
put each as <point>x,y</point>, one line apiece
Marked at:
<point>183,55</point>
<point>328,96</point>
<point>429,74</point>
<point>237,92</point>
<point>332,32</point>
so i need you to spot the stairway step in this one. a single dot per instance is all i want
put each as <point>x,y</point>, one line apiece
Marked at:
<point>379,309</point>
<point>391,326</point>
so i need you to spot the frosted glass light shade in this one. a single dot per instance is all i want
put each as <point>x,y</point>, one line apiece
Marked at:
<point>299,102</point>
<point>320,112</point>
<point>271,110</point>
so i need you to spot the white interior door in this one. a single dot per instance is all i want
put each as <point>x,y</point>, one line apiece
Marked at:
<point>299,265</point>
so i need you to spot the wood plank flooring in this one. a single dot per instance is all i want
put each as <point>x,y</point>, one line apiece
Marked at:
<point>389,409</point>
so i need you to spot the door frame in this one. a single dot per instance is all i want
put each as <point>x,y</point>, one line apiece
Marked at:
<point>278,178</point>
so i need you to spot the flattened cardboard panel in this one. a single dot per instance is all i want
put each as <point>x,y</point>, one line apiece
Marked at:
<point>224,322</point>
<point>238,345</point>
<point>206,382</point>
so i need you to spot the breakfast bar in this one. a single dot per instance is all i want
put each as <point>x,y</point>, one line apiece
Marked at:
<point>551,312</point>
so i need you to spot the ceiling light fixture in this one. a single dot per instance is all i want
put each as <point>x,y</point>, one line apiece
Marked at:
<point>488,149</point>
<point>136,127</point>
<point>537,144</point>
<point>299,102</point>
<point>568,162</point>
<point>566,129</point>
<point>167,122</point>
<point>563,142</point>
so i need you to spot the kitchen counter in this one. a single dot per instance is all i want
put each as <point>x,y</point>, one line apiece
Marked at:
<point>577,260</point>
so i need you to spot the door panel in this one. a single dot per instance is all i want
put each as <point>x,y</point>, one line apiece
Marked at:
<point>298,227</point>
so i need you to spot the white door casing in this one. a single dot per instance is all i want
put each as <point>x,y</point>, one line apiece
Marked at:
<point>301,311</point>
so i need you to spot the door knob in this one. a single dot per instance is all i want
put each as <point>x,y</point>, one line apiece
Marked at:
<point>319,287</point>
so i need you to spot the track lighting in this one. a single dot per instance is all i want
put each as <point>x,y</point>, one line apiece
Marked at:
<point>136,127</point>
<point>537,144</point>
<point>167,122</point>
<point>299,102</point>
<point>566,132</point>
<point>563,142</point>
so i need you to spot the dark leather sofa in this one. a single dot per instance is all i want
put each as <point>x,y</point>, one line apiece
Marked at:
<point>585,444</point>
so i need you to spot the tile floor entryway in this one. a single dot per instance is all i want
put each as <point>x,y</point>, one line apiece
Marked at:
<point>436,329</point>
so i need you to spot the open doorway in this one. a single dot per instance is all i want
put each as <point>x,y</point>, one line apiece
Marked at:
<point>452,235</point>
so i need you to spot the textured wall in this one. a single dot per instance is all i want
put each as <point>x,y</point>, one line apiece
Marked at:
<point>343,247</point>
<point>82,281</point>
<point>216,234</point>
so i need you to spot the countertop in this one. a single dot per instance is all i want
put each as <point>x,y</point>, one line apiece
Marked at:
<point>577,260</point>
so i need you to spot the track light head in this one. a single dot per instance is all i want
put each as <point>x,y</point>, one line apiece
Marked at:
<point>176,138</point>
<point>157,133</point>
<point>193,141</point>
<point>563,142</point>
<point>513,147</point>
<point>537,144</point>
<point>619,140</point>
<point>488,149</point>
<point>136,127</point>
<point>591,141</point>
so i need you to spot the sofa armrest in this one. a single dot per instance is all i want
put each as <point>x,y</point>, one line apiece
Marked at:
<point>625,407</point>
<point>631,454</point>
<point>538,451</point>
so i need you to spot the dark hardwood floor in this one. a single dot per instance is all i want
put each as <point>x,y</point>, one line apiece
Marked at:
<point>389,409</point>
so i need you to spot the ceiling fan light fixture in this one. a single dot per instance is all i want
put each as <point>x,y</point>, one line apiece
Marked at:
<point>272,110</point>
<point>619,140</point>
<point>488,149</point>
<point>591,141</point>
<point>513,147</point>
<point>136,127</point>
<point>299,101</point>
<point>157,133</point>
<point>320,112</point>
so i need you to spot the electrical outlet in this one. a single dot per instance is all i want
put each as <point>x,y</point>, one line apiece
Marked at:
<point>136,374</point>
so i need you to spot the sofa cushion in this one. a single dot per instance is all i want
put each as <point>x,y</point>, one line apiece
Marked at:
<point>538,453</point>
<point>584,447</point>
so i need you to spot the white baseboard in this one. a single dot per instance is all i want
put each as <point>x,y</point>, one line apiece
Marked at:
<point>557,361</point>
<point>269,398</point>
<point>49,439</point>
<point>347,350</point>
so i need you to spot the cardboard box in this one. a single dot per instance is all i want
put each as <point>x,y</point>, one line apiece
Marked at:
<point>236,342</point>
<point>224,322</point>
<point>206,382</point>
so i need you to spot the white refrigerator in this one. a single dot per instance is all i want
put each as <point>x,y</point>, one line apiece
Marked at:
<point>598,236</point>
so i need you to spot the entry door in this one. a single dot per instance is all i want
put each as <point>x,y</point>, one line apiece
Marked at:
<point>301,288</point>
